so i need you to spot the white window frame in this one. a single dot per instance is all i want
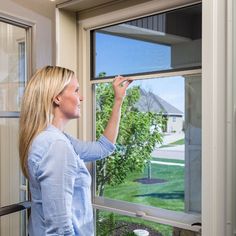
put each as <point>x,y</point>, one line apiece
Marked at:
<point>217,112</point>
<point>218,120</point>
<point>231,178</point>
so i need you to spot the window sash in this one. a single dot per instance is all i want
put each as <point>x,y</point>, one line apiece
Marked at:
<point>151,75</point>
<point>177,219</point>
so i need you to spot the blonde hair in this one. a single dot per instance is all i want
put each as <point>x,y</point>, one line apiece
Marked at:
<point>37,106</point>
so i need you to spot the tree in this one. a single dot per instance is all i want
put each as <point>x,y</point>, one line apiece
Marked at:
<point>138,136</point>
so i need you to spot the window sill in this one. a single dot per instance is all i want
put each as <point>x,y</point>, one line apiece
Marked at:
<point>176,219</point>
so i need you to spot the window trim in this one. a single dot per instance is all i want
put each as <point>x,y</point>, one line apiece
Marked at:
<point>89,20</point>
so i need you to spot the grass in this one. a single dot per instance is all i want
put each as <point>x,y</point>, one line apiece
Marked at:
<point>168,160</point>
<point>178,142</point>
<point>168,195</point>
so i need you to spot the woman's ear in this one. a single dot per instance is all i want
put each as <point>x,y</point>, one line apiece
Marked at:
<point>56,100</point>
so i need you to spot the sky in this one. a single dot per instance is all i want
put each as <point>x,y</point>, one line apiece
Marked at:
<point>118,55</point>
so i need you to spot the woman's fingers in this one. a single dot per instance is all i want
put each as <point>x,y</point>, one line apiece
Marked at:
<point>122,81</point>
<point>127,82</point>
<point>120,85</point>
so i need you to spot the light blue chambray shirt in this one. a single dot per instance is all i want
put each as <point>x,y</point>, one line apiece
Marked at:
<point>60,183</point>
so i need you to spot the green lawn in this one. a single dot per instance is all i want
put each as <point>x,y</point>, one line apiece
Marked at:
<point>168,195</point>
<point>178,142</point>
<point>168,160</point>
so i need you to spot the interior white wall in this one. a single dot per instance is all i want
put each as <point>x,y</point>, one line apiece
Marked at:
<point>42,18</point>
<point>66,53</point>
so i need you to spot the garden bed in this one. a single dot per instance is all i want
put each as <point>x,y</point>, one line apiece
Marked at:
<point>126,228</point>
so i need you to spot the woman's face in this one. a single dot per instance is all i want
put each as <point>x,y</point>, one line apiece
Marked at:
<point>69,101</point>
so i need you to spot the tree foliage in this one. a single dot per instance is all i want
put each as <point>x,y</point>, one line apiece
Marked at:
<point>138,135</point>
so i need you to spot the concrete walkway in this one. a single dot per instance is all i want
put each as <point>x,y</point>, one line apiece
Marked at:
<point>172,137</point>
<point>176,152</point>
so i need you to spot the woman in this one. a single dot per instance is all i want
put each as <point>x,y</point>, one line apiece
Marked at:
<point>52,160</point>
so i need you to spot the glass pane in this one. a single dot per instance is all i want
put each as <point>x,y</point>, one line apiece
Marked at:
<point>153,43</point>
<point>10,224</point>
<point>11,187</point>
<point>158,157</point>
<point>109,223</point>
<point>10,166</point>
<point>12,66</point>
<point>23,223</point>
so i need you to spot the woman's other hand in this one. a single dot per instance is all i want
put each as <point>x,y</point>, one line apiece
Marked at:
<point>120,85</point>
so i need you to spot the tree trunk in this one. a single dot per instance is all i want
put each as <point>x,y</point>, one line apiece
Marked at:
<point>149,170</point>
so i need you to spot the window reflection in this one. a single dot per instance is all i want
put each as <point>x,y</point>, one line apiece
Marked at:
<point>12,82</point>
<point>12,66</point>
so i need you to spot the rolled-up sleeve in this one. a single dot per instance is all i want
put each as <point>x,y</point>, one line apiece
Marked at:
<point>56,175</point>
<point>92,151</point>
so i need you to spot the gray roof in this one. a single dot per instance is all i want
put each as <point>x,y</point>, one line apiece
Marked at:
<point>151,102</point>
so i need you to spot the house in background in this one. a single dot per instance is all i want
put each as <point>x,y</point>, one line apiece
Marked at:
<point>150,102</point>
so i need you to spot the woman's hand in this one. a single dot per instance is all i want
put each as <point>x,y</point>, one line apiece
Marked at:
<point>120,84</point>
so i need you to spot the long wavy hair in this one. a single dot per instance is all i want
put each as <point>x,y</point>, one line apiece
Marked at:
<point>37,106</point>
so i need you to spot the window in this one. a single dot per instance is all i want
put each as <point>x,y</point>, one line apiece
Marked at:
<point>13,76</point>
<point>217,106</point>
<point>13,66</point>
<point>139,176</point>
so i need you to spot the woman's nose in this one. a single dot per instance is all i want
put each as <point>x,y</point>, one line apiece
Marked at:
<point>81,98</point>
